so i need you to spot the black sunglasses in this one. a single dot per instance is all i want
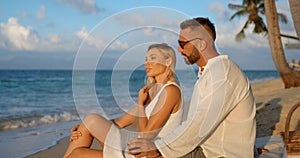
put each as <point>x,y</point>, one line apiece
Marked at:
<point>183,43</point>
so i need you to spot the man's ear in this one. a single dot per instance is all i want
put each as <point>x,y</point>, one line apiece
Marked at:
<point>203,45</point>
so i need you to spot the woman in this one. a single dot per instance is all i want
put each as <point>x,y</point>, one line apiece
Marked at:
<point>158,112</point>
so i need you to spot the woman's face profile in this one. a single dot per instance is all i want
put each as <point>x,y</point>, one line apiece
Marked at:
<point>155,63</point>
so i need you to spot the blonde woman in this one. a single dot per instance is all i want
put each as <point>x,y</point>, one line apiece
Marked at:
<point>157,113</point>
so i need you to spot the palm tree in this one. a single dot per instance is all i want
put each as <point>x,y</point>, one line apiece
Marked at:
<point>295,11</point>
<point>255,9</point>
<point>289,77</point>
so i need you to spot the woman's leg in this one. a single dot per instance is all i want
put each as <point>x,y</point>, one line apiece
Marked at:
<point>93,126</point>
<point>86,153</point>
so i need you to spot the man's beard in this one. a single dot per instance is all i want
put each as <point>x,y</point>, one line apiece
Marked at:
<point>192,58</point>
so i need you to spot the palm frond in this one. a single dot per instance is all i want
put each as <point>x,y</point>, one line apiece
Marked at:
<point>261,8</point>
<point>236,6</point>
<point>245,25</point>
<point>282,18</point>
<point>239,14</point>
<point>258,2</point>
<point>245,2</point>
<point>240,36</point>
<point>258,29</point>
<point>259,25</point>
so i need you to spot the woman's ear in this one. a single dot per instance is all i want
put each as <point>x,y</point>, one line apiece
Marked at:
<point>168,62</point>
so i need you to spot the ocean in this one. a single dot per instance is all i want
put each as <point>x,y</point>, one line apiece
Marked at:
<point>39,107</point>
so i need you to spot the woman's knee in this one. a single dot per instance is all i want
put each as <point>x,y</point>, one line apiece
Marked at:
<point>98,126</point>
<point>91,119</point>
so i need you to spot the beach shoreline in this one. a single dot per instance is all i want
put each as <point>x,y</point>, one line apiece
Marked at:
<point>273,104</point>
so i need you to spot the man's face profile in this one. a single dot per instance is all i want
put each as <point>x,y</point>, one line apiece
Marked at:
<point>186,47</point>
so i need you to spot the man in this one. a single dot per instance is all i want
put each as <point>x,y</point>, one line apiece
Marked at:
<point>221,117</point>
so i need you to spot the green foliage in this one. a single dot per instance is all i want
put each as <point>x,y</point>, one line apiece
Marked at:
<point>255,10</point>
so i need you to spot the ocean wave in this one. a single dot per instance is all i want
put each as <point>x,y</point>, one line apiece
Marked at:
<point>47,119</point>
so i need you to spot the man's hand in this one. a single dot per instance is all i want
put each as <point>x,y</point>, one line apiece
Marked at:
<point>141,147</point>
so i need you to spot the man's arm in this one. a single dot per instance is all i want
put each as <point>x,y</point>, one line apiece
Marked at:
<point>142,147</point>
<point>206,113</point>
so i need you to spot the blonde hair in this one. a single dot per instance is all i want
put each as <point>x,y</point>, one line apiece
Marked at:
<point>167,52</point>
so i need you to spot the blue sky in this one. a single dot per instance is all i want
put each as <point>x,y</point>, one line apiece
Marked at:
<point>54,34</point>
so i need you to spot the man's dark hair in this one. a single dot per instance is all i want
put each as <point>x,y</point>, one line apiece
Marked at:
<point>205,22</point>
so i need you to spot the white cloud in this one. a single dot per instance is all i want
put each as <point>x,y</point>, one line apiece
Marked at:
<point>83,33</point>
<point>148,31</point>
<point>54,38</point>
<point>41,14</point>
<point>83,6</point>
<point>16,36</point>
<point>226,33</point>
<point>98,41</point>
<point>219,9</point>
<point>90,40</point>
<point>119,45</point>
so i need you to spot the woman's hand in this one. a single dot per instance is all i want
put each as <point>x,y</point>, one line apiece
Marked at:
<point>75,134</point>
<point>143,95</point>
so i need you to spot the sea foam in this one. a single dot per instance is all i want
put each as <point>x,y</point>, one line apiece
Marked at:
<point>47,119</point>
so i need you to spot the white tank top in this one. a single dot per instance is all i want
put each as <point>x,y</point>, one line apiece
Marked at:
<point>175,118</point>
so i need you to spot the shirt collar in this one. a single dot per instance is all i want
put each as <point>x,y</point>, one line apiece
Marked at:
<point>200,73</point>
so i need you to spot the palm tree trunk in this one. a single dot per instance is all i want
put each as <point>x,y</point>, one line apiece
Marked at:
<point>295,11</point>
<point>289,77</point>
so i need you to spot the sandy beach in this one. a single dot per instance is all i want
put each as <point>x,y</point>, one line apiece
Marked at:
<point>273,104</point>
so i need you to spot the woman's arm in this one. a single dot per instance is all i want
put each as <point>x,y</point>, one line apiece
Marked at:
<point>169,98</point>
<point>129,118</point>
